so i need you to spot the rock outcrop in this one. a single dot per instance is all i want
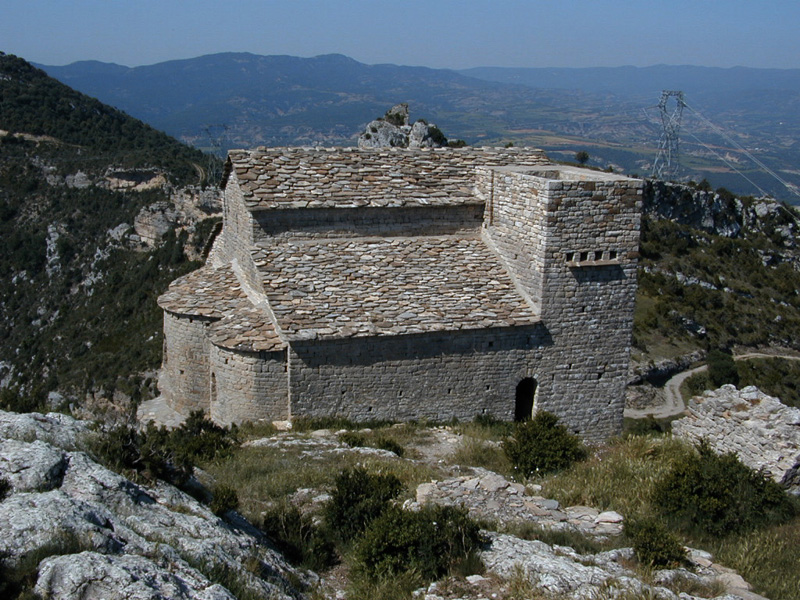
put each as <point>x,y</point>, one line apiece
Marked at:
<point>98,535</point>
<point>394,131</point>
<point>759,429</point>
<point>491,497</point>
<point>720,214</point>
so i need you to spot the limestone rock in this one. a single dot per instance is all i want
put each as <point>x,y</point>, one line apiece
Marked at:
<point>756,427</point>
<point>32,466</point>
<point>93,576</point>
<point>57,429</point>
<point>393,131</point>
<point>108,537</point>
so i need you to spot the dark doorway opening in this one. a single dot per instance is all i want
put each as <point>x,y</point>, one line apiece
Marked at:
<point>523,405</point>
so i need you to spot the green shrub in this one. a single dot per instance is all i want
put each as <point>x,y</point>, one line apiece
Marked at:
<point>542,445</point>
<point>718,495</point>
<point>353,439</point>
<point>653,543</point>
<point>224,499</point>
<point>13,401</point>
<point>386,443</point>
<point>359,498</point>
<point>428,542</point>
<point>298,538</point>
<point>160,453</point>
<point>722,369</point>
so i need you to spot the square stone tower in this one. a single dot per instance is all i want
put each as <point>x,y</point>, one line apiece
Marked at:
<point>570,237</point>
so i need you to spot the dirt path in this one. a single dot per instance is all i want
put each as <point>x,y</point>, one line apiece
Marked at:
<point>673,404</point>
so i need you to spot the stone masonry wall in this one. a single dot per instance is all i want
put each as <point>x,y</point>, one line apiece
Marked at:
<point>184,372</point>
<point>514,224</point>
<point>280,225</point>
<point>436,376</point>
<point>248,386</point>
<point>237,234</point>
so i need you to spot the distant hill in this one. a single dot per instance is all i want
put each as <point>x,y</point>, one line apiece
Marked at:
<point>229,100</point>
<point>646,82</point>
<point>77,298</point>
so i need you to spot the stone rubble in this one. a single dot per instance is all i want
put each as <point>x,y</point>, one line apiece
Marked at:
<point>560,570</point>
<point>759,429</point>
<point>108,537</point>
<point>489,496</point>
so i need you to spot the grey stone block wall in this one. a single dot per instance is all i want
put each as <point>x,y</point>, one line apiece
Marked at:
<point>248,386</point>
<point>434,376</point>
<point>184,369</point>
<point>238,234</point>
<point>569,238</point>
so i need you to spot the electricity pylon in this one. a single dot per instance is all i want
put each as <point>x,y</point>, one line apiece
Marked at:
<point>665,166</point>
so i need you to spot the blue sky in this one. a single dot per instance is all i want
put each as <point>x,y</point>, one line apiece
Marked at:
<point>434,33</point>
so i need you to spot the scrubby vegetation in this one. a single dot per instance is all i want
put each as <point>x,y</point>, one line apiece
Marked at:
<point>778,377</point>
<point>718,495</point>
<point>161,453</point>
<point>542,445</point>
<point>78,310</point>
<point>630,475</point>
<point>691,283</point>
<point>654,543</point>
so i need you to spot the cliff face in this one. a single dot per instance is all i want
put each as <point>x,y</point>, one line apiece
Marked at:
<point>720,214</point>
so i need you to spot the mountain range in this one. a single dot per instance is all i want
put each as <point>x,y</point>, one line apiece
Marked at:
<point>221,101</point>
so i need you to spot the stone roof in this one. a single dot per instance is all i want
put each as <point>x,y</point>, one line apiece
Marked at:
<point>206,292</point>
<point>216,293</point>
<point>246,328</point>
<point>388,286</point>
<point>275,178</point>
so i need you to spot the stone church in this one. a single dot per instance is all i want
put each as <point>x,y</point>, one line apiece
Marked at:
<point>409,284</point>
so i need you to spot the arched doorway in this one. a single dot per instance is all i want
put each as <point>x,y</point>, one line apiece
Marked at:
<point>523,404</point>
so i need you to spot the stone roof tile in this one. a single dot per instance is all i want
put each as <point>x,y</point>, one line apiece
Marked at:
<point>274,178</point>
<point>388,286</point>
<point>216,294</point>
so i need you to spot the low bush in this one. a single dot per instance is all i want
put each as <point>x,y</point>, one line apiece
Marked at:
<point>428,542</point>
<point>224,498</point>
<point>718,495</point>
<point>542,445</point>
<point>160,453</point>
<point>298,538</point>
<point>721,368</point>
<point>654,544</point>
<point>387,443</point>
<point>357,499</point>
<point>353,439</point>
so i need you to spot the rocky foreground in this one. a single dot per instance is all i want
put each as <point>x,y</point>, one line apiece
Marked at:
<point>83,531</point>
<point>93,534</point>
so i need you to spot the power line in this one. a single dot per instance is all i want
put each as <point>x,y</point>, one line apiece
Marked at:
<point>789,186</point>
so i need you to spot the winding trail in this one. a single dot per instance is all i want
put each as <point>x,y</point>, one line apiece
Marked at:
<point>673,400</point>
